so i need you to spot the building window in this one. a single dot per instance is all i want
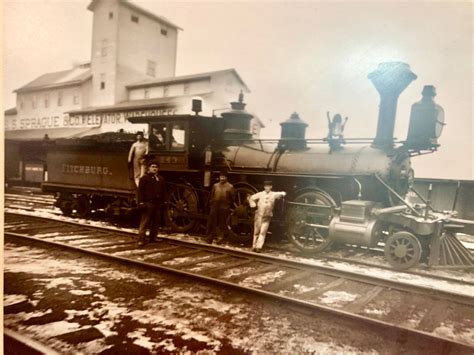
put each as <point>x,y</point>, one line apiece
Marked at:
<point>33,102</point>
<point>165,91</point>
<point>22,103</point>
<point>134,18</point>
<point>186,89</point>
<point>75,99</point>
<point>103,50</point>
<point>151,68</point>
<point>111,15</point>
<point>60,98</point>
<point>147,94</point>
<point>102,81</point>
<point>46,100</point>
<point>164,31</point>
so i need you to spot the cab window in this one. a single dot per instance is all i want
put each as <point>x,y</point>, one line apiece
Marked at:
<point>178,135</point>
<point>157,137</point>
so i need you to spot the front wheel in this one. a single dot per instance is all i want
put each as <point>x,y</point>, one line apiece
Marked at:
<point>402,250</point>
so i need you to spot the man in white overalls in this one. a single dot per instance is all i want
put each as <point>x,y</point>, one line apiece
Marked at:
<point>264,201</point>
<point>136,157</point>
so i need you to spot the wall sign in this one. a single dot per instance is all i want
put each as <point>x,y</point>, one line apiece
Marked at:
<point>84,119</point>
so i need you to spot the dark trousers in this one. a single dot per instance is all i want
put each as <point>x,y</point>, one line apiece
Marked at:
<point>217,218</point>
<point>151,218</point>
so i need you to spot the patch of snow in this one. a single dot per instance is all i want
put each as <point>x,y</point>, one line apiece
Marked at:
<point>303,289</point>
<point>9,300</point>
<point>46,234</point>
<point>236,271</point>
<point>167,345</point>
<point>207,265</point>
<point>219,306</point>
<point>67,281</point>
<point>465,335</point>
<point>263,279</point>
<point>178,261</point>
<point>140,339</point>
<point>129,252</point>
<point>53,329</point>
<point>81,292</point>
<point>376,311</point>
<point>337,297</point>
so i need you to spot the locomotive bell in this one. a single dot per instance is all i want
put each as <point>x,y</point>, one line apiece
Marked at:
<point>426,121</point>
<point>237,121</point>
<point>293,132</point>
<point>390,79</point>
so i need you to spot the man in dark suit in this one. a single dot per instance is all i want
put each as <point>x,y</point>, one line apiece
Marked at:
<point>221,200</point>
<point>150,198</point>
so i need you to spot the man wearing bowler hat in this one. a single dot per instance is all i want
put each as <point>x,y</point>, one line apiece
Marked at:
<point>221,200</point>
<point>264,201</point>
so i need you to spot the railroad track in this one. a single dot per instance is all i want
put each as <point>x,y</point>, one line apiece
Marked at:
<point>356,254</point>
<point>28,202</point>
<point>410,310</point>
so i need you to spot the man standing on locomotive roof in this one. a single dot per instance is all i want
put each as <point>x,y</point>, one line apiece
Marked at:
<point>264,201</point>
<point>150,199</point>
<point>221,200</point>
<point>136,156</point>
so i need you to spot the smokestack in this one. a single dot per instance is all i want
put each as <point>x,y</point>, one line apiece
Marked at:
<point>390,79</point>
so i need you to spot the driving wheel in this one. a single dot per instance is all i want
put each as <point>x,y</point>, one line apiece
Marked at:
<point>307,221</point>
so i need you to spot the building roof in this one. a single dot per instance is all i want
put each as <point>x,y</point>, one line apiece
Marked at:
<point>11,111</point>
<point>161,102</point>
<point>69,77</point>
<point>141,10</point>
<point>185,78</point>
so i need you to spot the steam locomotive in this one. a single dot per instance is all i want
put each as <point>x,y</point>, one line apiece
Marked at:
<point>345,191</point>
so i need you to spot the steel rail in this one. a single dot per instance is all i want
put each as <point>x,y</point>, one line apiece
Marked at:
<point>24,345</point>
<point>377,324</point>
<point>303,266</point>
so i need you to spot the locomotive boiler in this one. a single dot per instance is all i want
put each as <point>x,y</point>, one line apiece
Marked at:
<point>339,190</point>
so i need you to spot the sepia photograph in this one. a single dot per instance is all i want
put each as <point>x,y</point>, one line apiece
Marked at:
<point>238,177</point>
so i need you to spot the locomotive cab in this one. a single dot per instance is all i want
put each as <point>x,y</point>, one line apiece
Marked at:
<point>177,142</point>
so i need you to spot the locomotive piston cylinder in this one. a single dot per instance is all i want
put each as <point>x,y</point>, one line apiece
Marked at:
<point>390,79</point>
<point>355,225</point>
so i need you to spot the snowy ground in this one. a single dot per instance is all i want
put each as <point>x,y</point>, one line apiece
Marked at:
<point>62,300</point>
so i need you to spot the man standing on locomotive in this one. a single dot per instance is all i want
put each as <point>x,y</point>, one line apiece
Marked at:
<point>150,198</point>
<point>264,201</point>
<point>221,200</point>
<point>136,156</point>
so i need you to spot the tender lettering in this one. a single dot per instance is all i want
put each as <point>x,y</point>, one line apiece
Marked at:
<point>85,169</point>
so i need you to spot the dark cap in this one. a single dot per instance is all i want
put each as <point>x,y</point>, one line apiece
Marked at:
<point>429,90</point>
<point>152,162</point>
<point>267,183</point>
<point>223,173</point>
<point>140,133</point>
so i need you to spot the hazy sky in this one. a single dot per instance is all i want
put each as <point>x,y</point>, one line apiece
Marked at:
<point>309,57</point>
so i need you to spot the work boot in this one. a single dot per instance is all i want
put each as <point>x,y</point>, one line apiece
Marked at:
<point>209,240</point>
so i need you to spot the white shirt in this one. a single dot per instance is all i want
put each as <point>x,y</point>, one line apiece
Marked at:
<point>265,201</point>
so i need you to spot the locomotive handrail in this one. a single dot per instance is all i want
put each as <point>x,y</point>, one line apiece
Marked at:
<point>308,140</point>
<point>397,195</point>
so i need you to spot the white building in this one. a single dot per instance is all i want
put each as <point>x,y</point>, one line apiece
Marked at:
<point>131,72</point>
